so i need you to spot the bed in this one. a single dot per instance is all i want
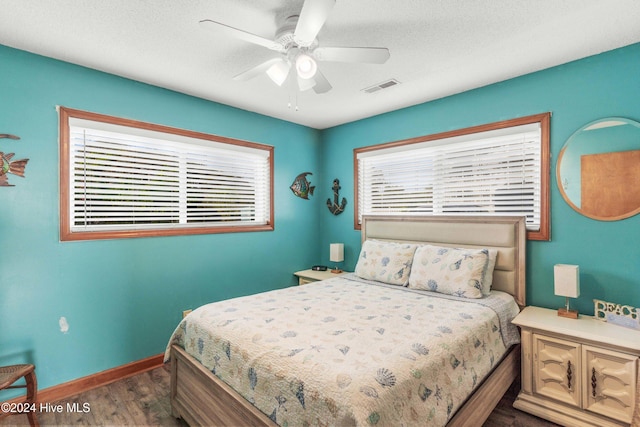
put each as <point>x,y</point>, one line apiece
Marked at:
<point>390,349</point>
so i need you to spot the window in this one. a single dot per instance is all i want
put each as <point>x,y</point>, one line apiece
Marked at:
<point>122,178</point>
<point>496,169</point>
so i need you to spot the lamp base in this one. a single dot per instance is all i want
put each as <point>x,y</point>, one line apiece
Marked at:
<point>336,270</point>
<point>571,314</point>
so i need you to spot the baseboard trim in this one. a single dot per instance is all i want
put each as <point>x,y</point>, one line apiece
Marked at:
<point>80,385</point>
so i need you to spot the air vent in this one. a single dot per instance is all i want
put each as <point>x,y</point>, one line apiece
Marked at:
<point>384,85</point>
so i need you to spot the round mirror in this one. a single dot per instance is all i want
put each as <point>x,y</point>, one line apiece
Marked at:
<point>598,169</point>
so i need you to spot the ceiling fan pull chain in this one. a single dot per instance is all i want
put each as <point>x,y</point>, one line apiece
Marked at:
<point>293,93</point>
<point>291,89</point>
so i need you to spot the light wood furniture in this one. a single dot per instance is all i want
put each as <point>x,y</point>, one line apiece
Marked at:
<point>200,398</point>
<point>577,372</point>
<point>143,400</point>
<point>309,276</point>
<point>10,374</point>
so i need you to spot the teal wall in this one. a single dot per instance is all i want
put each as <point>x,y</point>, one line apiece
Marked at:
<point>577,93</point>
<point>123,298</point>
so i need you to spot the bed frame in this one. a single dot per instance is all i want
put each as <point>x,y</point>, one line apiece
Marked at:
<point>200,398</point>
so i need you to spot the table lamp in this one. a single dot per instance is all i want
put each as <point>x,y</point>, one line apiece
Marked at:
<point>567,284</point>
<point>336,254</point>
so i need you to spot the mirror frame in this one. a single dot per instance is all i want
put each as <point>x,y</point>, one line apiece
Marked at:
<point>559,178</point>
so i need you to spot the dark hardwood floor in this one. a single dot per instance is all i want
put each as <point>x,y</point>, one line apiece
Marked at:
<point>143,400</point>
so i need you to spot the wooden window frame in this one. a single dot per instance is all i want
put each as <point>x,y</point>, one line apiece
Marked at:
<point>543,119</point>
<point>66,234</point>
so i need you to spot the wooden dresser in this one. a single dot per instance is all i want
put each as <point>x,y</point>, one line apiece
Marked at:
<point>577,372</point>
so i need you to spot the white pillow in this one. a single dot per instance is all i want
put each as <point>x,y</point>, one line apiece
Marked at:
<point>452,271</point>
<point>386,262</point>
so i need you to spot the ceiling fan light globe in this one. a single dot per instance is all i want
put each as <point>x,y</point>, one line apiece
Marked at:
<point>306,66</point>
<point>278,72</point>
<point>305,84</point>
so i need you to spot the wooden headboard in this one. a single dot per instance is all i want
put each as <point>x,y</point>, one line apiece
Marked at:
<point>506,234</point>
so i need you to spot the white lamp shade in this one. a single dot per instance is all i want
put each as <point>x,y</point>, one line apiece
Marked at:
<point>278,72</point>
<point>566,280</point>
<point>336,252</point>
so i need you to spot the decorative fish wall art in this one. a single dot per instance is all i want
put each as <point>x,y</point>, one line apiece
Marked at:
<point>301,187</point>
<point>334,207</point>
<point>8,165</point>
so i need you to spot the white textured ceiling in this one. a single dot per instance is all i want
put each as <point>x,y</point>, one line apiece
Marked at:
<point>437,47</point>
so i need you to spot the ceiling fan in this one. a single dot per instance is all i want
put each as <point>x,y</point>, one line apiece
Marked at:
<point>296,42</point>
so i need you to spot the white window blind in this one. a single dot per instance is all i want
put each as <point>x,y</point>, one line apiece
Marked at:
<point>125,178</point>
<point>489,173</point>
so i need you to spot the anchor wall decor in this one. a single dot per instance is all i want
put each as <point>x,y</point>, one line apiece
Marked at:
<point>334,207</point>
<point>7,165</point>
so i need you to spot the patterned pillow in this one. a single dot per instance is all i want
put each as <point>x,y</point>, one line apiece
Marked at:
<point>487,277</point>
<point>385,262</point>
<point>453,271</point>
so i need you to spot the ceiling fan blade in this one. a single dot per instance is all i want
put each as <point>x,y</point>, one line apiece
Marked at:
<point>368,55</point>
<point>312,17</point>
<point>240,34</point>
<point>322,84</point>
<point>305,84</point>
<point>257,70</point>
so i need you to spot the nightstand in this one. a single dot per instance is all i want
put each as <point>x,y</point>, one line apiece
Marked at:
<point>308,276</point>
<point>577,372</point>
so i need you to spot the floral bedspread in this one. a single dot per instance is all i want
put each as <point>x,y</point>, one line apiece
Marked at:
<point>348,352</point>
